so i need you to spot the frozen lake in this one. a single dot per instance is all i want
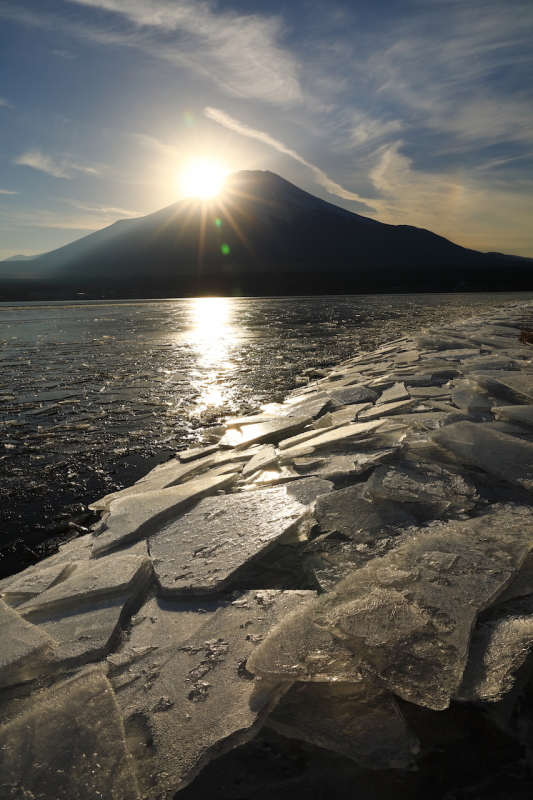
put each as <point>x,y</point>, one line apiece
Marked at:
<point>94,394</point>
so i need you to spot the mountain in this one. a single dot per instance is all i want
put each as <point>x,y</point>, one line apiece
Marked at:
<point>263,235</point>
<point>21,257</point>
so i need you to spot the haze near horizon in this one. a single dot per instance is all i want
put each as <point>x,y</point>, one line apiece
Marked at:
<point>409,113</point>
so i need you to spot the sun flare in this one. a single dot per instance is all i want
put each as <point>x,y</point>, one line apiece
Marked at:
<point>203,178</point>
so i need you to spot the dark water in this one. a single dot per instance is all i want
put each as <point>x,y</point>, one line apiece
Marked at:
<point>93,395</point>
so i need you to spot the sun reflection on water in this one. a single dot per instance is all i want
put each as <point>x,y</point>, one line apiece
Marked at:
<point>213,335</point>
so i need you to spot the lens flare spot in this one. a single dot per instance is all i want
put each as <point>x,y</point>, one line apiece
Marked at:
<point>225,249</point>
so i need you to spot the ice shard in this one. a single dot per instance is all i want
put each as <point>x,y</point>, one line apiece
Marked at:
<point>395,394</point>
<point>32,584</point>
<point>262,459</point>
<point>521,414</point>
<point>92,580</point>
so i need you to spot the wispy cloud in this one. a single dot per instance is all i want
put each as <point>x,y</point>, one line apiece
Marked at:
<point>61,53</point>
<point>43,163</point>
<point>6,191</point>
<point>59,169</point>
<point>319,176</point>
<point>243,54</point>
<point>102,208</point>
<point>5,103</point>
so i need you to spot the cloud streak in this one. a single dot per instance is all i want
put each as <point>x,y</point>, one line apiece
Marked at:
<point>43,163</point>
<point>239,52</point>
<point>319,175</point>
<point>6,191</point>
<point>58,169</point>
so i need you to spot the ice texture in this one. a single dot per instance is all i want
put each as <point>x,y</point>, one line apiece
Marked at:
<point>196,699</point>
<point>138,515</point>
<point>353,394</point>
<point>499,648</point>
<point>502,455</point>
<point>68,745</point>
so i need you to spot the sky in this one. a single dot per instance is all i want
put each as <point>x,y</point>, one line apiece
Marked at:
<point>416,112</point>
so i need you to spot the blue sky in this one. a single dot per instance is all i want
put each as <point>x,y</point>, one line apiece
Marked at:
<point>409,111</point>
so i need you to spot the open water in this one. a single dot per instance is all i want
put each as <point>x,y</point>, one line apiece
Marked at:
<point>94,394</point>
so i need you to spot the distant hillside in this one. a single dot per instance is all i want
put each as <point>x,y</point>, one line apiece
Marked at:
<point>263,235</point>
<point>20,257</point>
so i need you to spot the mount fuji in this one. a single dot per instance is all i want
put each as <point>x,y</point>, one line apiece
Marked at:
<point>263,235</point>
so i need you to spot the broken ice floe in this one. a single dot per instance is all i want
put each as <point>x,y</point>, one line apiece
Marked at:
<point>397,486</point>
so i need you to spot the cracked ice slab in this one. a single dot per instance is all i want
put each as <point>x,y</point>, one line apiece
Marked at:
<point>407,616</point>
<point>23,644</point>
<point>361,721</point>
<point>502,455</point>
<point>264,432</point>
<point>68,744</point>
<point>332,439</point>
<point>196,700</point>
<point>133,517</point>
<point>203,549</point>
<point>91,580</point>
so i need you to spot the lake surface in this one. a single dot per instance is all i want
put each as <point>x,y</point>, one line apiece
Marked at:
<point>93,395</point>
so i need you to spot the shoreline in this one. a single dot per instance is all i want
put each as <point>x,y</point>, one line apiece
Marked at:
<point>237,561</point>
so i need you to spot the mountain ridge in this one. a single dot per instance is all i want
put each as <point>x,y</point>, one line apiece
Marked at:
<point>259,235</point>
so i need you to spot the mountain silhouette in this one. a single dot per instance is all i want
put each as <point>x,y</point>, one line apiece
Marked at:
<point>263,235</point>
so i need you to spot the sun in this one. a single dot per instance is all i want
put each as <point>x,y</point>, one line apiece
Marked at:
<point>203,178</point>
